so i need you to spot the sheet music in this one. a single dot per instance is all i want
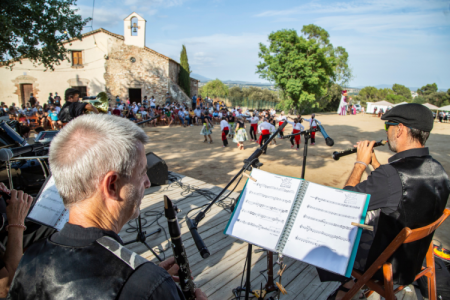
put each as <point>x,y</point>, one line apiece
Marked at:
<point>49,208</point>
<point>264,208</point>
<point>322,234</point>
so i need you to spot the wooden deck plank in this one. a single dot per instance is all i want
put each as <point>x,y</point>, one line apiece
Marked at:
<point>220,273</point>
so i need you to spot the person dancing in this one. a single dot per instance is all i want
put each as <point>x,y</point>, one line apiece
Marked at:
<point>313,122</point>
<point>231,120</point>
<point>207,126</point>
<point>281,119</point>
<point>225,127</point>
<point>265,128</point>
<point>241,133</point>
<point>254,127</point>
<point>297,128</point>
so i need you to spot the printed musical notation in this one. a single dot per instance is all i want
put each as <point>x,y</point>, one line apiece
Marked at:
<point>306,241</point>
<point>259,227</point>
<point>272,208</point>
<point>269,197</point>
<point>276,220</point>
<point>328,223</point>
<point>333,236</point>
<point>329,212</point>
<point>335,203</point>
<point>280,189</point>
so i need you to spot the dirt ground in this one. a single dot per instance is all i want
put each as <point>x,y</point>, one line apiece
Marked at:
<point>184,152</point>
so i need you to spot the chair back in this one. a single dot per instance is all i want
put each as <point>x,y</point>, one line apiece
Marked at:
<point>420,233</point>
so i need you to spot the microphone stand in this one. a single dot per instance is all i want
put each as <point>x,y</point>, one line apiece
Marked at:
<point>250,162</point>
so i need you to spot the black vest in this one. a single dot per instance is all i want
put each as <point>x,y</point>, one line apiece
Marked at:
<point>52,271</point>
<point>426,189</point>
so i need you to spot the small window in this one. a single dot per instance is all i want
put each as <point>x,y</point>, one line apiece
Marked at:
<point>77,58</point>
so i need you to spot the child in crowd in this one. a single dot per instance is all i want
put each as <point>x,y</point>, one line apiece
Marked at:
<point>225,127</point>
<point>297,128</point>
<point>241,133</point>
<point>207,126</point>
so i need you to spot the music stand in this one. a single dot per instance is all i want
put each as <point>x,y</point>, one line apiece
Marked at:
<point>142,236</point>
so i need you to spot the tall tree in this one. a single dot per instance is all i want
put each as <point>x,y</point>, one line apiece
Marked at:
<point>185,72</point>
<point>301,68</point>
<point>402,91</point>
<point>37,29</point>
<point>428,89</point>
<point>214,88</point>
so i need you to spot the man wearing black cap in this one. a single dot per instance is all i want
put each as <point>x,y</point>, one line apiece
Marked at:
<point>72,108</point>
<point>410,191</point>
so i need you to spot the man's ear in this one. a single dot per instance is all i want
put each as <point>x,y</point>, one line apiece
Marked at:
<point>110,185</point>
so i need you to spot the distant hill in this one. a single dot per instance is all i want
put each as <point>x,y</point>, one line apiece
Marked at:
<point>200,77</point>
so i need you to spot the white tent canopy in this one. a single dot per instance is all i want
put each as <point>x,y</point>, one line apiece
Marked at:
<point>431,106</point>
<point>379,105</point>
<point>401,103</point>
<point>446,108</point>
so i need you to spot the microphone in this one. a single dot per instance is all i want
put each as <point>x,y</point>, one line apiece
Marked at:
<point>204,252</point>
<point>7,154</point>
<point>329,141</point>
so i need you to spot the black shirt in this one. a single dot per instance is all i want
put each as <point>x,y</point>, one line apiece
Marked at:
<point>77,236</point>
<point>71,110</point>
<point>384,184</point>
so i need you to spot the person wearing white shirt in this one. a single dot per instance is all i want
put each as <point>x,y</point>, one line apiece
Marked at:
<point>198,113</point>
<point>57,108</point>
<point>313,122</point>
<point>265,128</point>
<point>281,119</point>
<point>225,128</point>
<point>152,102</point>
<point>181,116</point>
<point>253,127</point>
<point>296,128</point>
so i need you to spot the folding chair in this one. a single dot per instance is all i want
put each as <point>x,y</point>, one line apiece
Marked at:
<point>386,290</point>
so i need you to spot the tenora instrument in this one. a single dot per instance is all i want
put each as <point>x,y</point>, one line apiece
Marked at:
<point>101,102</point>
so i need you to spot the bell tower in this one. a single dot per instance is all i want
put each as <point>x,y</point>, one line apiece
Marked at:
<point>134,30</point>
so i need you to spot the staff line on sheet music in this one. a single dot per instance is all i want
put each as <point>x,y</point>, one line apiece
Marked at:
<point>269,197</point>
<point>268,207</point>
<point>337,237</point>
<point>258,226</point>
<point>328,223</point>
<point>335,203</point>
<point>262,216</point>
<point>329,212</point>
<point>262,185</point>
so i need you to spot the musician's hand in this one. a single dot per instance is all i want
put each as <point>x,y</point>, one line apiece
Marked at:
<point>170,265</point>
<point>3,188</point>
<point>199,295</point>
<point>18,207</point>
<point>375,163</point>
<point>365,151</point>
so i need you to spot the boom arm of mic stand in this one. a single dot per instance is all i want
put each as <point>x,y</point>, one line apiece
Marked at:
<point>192,224</point>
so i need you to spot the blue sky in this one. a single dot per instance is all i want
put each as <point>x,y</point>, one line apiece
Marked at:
<point>388,41</point>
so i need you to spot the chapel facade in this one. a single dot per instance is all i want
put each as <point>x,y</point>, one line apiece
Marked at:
<point>120,65</point>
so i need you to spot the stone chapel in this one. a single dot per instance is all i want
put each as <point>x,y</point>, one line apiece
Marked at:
<point>120,65</point>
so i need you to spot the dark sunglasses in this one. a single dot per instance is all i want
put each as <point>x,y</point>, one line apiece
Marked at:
<point>387,124</point>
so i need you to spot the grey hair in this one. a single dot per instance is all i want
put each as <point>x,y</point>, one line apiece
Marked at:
<point>418,135</point>
<point>89,147</point>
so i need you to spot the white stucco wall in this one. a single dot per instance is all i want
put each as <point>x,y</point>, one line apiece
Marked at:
<point>94,48</point>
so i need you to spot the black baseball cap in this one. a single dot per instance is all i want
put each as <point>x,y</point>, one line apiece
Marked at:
<point>412,115</point>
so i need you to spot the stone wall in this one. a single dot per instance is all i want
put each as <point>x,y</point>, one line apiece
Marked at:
<point>194,87</point>
<point>174,71</point>
<point>178,94</point>
<point>149,72</point>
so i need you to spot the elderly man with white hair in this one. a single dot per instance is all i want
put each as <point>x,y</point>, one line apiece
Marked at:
<point>100,170</point>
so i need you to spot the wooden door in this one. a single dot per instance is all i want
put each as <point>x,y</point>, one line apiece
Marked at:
<point>26,90</point>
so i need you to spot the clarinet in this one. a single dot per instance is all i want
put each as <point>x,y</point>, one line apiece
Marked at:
<point>184,273</point>
<point>337,155</point>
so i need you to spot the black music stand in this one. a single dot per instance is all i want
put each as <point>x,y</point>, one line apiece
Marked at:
<point>141,237</point>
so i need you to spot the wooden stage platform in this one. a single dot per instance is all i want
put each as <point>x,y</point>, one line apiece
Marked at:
<point>219,274</point>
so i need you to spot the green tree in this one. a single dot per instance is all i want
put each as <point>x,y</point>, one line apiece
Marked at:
<point>185,72</point>
<point>214,88</point>
<point>439,99</point>
<point>36,30</point>
<point>383,93</point>
<point>368,93</point>
<point>428,89</point>
<point>402,90</point>
<point>419,100</point>
<point>395,98</point>
<point>300,68</point>
<point>235,92</point>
